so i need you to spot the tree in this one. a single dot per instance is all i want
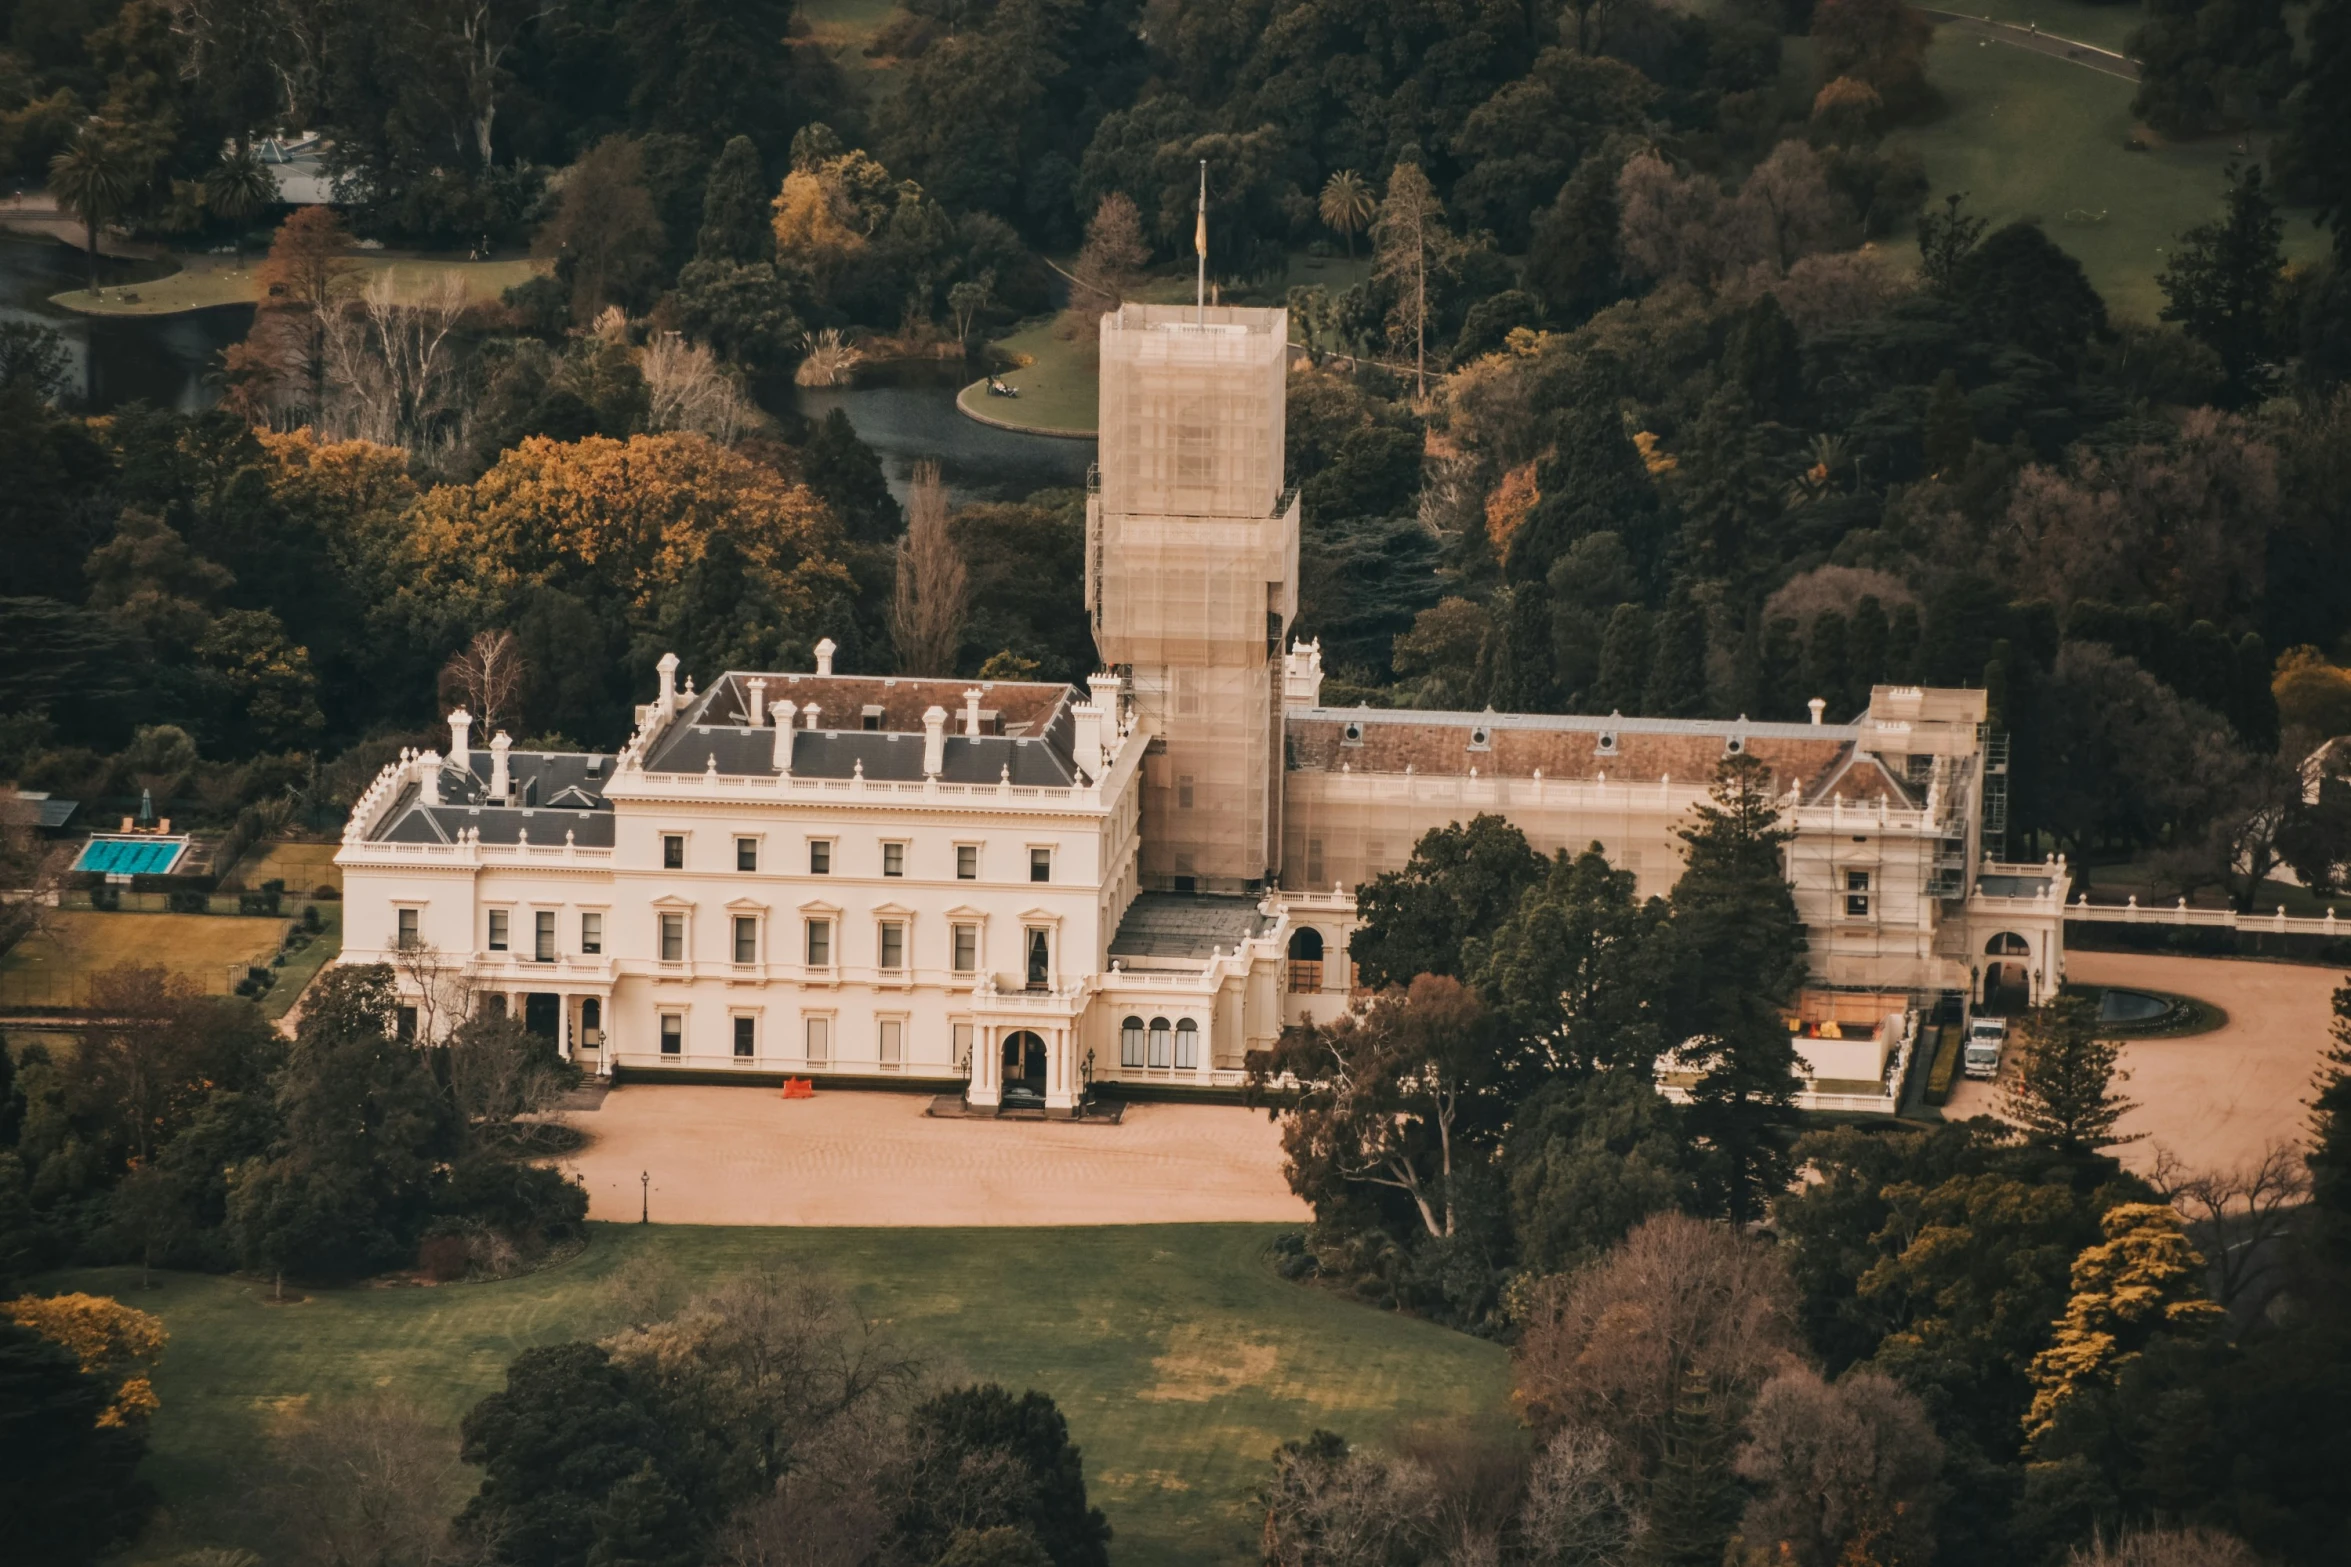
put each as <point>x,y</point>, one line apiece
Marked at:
<point>1112,261</point>
<point>1693,1495</point>
<point>1328,1505</point>
<point>1381,1099</point>
<point>846,475</point>
<point>980,1458</point>
<point>2223,280</point>
<point>567,1428</point>
<point>1841,1468</point>
<point>1346,205</point>
<point>69,1484</point>
<point>365,1481</point>
<point>2061,1092</point>
<point>1881,43</point>
<point>111,1342</point>
<point>1587,1158</point>
<point>499,1072</point>
<point>1409,231</point>
<point>2018,287</point>
<point>1734,952</point>
<point>1787,206</point>
<point>487,676</point>
<point>1618,1344</point>
<point>1567,968</point>
<point>237,188</point>
<point>605,238</point>
<point>2142,1282</point>
<point>933,586</point>
<point>1572,258</point>
<point>2316,151</point>
<point>1460,881</point>
<point>304,280</point>
<point>1579,1511</point>
<point>2244,1213</point>
<point>97,178</point>
<point>734,208</point>
<point>1945,240</point>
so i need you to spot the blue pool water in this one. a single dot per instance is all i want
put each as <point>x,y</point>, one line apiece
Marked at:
<point>131,856</point>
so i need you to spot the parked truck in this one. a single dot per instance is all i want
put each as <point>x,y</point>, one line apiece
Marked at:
<point>1986,1037</point>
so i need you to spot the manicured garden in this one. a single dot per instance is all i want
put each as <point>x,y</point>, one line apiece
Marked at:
<point>1179,1355</point>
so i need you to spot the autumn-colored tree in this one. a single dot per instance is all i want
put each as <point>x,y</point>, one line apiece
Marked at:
<point>826,211</point>
<point>111,1340</point>
<point>2313,695</point>
<point>1881,43</point>
<point>605,237</point>
<point>306,277</point>
<point>1114,252</point>
<point>2144,1281</point>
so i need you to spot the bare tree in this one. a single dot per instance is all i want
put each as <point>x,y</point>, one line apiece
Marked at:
<point>1113,258</point>
<point>1580,1509</point>
<point>1842,1470</point>
<point>1408,232</point>
<point>1328,1506</point>
<point>934,588</point>
<point>2195,1546</point>
<point>487,675</point>
<point>687,389</point>
<point>500,1073</point>
<point>438,987</point>
<point>1787,207</point>
<point>391,369</point>
<point>367,1484</point>
<point>1613,1344</point>
<point>2244,1213</point>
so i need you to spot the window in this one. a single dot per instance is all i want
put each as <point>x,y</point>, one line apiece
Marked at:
<point>543,935</point>
<point>1040,959</point>
<point>591,1023</point>
<point>820,1041</point>
<point>1481,739</point>
<point>967,862</point>
<point>673,1034</point>
<point>967,948</point>
<point>673,851</point>
<point>1130,1042</point>
<point>893,945</point>
<point>746,854</point>
<point>893,859</point>
<point>1159,1042</point>
<point>497,930</point>
<point>407,936</point>
<point>1183,793</point>
<point>592,933</point>
<point>746,1032</point>
<point>1040,864</point>
<point>1857,894</point>
<point>889,1041</point>
<point>404,1025</point>
<point>673,938</point>
<point>1736,744</point>
<point>746,938</point>
<point>1187,1043</point>
<point>820,857</point>
<point>961,1034</point>
<point>1607,743</point>
<point>1313,862</point>
<point>820,943</point>
<point>1351,735</point>
<point>871,717</point>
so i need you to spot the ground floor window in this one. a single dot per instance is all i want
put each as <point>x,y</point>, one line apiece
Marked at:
<point>820,1041</point>
<point>889,1043</point>
<point>1187,1046</point>
<point>673,1034</point>
<point>1159,1042</point>
<point>405,1027</point>
<point>1130,1042</point>
<point>961,1033</point>
<point>746,1034</point>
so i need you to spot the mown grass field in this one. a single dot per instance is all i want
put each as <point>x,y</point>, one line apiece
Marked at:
<point>204,281</point>
<point>1179,1356</point>
<point>2029,136</point>
<point>52,967</point>
<point>303,867</point>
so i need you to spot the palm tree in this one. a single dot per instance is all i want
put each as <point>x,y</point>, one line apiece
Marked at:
<point>236,188</point>
<point>1347,206</point>
<point>95,179</point>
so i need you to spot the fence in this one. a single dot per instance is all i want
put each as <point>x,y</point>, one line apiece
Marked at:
<point>125,900</point>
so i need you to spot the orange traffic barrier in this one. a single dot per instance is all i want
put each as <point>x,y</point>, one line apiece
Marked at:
<point>799,1088</point>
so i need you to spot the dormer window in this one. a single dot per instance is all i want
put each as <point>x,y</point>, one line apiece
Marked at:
<point>871,715</point>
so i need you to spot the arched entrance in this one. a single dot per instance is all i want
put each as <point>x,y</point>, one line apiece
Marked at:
<point>2008,975</point>
<point>1024,1061</point>
<point>1305,959</point>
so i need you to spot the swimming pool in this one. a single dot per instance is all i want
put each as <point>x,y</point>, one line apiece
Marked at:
<point>131,856</point>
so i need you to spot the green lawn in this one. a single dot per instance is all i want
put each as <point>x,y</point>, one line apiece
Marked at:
<point>1060,387</point>
<point>2029,136</point>
<point>1178,1354</point>
<point>204,281</point>
<point>2107,26</point>
<point>52,967</point>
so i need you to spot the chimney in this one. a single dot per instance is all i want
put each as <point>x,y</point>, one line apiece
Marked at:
<point>971,712</point>
<point>824,656</point>
<point>1107,688</point>
<point>429,783</point>
<point>460,749</point>
<point>934,740</point>
<point>811,710</point>
<point>1086,739</point>
<point>501,785</point>
<point>784,714</point>
<point>669,682</point>
<point>758,689</point>
<point>1818,707</point>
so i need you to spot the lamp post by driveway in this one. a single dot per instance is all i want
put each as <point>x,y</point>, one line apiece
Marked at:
<point>645,1193</point>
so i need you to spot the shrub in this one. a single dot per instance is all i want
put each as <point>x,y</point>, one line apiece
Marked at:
<point>528,1202</point>
<point>189,901</point>
<point>1943,1065</point>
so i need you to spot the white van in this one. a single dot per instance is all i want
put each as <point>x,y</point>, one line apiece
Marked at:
<point>1986,1036</point>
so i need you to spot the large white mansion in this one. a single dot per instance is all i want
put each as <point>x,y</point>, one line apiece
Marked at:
<point>1029,886</point>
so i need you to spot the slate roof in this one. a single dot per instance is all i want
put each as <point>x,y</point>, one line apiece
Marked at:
<point>555,792</point>
<point>1185,925</point>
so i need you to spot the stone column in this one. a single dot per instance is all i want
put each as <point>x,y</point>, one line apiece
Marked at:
<point>987,1066</point>
<point>1060,1093</point>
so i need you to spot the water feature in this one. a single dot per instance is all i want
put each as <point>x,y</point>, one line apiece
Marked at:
<point>906,412</point>
<point>2130,1006</point>
<point>165,360</point>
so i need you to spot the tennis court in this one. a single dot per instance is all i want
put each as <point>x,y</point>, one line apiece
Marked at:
<point>131,856</point>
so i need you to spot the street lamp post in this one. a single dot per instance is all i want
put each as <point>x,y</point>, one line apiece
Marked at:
<point>645,1198</point>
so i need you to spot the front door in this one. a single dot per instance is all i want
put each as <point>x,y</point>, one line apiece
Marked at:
<point>1024,1061</point>
<point>542,1014</point>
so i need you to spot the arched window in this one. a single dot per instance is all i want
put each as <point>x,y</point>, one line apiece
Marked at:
<point>1187,1043</point>
<point>1159,1042</point>
<point>1130,1042</point>
<point>1305,959</point>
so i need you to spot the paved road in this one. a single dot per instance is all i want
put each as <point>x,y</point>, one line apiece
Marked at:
<point>745,1155</point>
<point>2216,1099</point>
<point>2023,36</point>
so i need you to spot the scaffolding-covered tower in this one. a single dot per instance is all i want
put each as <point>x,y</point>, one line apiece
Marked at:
<point>1191,577</point>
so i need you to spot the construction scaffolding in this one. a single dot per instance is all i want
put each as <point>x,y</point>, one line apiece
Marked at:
<point>1191,576</point>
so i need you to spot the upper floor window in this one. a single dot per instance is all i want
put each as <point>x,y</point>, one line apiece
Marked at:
<point>746,854</point>
<point>746,939</point>
<point>893,945</point>
<point>407,936</point>
<point>820,943</point>
<point>543,935</point>
<point>592,933</point>
<point>673,938</point>
<point>1040,864</point>
<point>1184,791</point>
<point>893,859</point>
<point>820,856</point>
<point>1857,893</point>
<point>498,930</point>
<point>967,862</point>
<point>967,948</point>
<point>673,851</point>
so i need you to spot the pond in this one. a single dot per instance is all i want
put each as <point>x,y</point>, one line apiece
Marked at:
<point>2130,1006</point>
<point>168,361</point>
<point>906,412</point>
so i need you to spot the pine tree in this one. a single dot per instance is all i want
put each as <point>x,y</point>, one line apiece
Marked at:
<point>1624,661</point>
<point>735,208</point>
<point>2062,1093</point>
<point>1676,687</point>
<point>2223,280</point>
<point>1519,678</point>
<point>2314,157</point>
<point>1950,430</point>
<point>1693,1499</point>
<point>1572,259</point>
<point>1865,645</point>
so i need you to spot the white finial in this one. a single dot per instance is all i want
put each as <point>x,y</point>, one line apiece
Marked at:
<point>857,770</point>
<point>1818,707</point>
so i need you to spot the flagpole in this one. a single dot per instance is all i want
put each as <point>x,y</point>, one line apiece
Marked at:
<point>1200,244</point>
